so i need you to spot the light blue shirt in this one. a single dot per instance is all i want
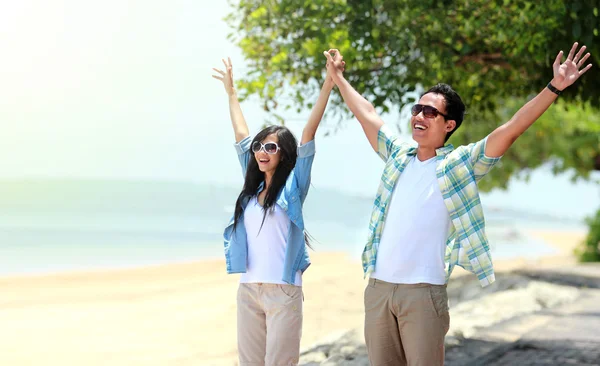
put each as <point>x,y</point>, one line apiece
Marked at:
<point>290,199</point>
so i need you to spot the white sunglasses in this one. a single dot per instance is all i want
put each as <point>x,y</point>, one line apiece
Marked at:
<point>270,147</point>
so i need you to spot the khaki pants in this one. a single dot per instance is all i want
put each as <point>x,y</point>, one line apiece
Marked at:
<point>405,324</point>
<point>269,324</point>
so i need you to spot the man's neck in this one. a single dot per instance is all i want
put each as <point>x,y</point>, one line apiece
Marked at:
<point>425,153</point>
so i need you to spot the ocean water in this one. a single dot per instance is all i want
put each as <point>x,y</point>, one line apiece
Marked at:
<point>55,226</point>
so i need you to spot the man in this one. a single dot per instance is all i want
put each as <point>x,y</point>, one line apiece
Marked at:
<point>427,217</point>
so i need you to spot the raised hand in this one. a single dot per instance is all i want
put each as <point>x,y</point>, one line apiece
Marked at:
<point>568,72</point>
<point>335,64</point>
<point>226,76</point>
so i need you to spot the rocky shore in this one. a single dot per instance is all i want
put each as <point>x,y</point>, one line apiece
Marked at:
<point>495,321</point>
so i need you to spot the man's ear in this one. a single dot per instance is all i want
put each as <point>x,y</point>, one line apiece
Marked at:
<point>450,125</point>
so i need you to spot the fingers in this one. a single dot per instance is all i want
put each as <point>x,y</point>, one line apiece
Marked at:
<point>229,59</point>
<point>337,60</point>
<point>572,52</point>
<point>217,77</point>
<point>556,63</point>
<point>335,53</point>
<point>328,56</point>
<point>337,56</point>
<point>219,71</point>
<point>585,69</point>
<point>578,55</point>
<point>582,61</point>
<point>225,63</point>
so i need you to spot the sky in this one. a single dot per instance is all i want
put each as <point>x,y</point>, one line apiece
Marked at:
<point>123,90</point>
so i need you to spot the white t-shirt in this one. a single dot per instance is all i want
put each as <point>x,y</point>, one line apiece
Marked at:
<point>266,245</point>
<point>413,241</point>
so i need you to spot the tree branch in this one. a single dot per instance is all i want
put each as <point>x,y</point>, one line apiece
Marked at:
<point>485,59</point>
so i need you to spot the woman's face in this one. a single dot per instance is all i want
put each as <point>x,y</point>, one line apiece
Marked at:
<point>267,153</point>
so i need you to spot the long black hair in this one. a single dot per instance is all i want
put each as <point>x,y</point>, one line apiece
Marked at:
<point>288,146</point>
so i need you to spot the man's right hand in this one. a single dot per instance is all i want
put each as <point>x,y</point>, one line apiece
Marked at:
<point>335,64</point>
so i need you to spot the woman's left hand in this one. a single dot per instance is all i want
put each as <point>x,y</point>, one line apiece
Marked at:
<point>328,79</point>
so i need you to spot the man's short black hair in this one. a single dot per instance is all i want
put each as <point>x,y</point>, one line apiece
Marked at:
<point>455,108</point>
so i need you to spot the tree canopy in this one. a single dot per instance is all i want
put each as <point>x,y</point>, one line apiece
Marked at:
<point>496,54</point>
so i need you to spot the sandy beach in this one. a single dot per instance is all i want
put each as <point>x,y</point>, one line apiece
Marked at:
<point>179,314</point>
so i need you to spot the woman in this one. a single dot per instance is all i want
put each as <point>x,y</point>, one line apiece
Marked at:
<point>265,239</point>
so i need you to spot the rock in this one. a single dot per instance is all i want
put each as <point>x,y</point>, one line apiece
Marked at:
<point>472,308</point>
<point>339,360</point>
<point>313,358</point>
<point>349,352</point>
<point>453,341</point>
<point>494,308</point>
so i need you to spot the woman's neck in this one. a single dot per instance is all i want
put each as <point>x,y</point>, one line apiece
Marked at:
<point>268,179</point>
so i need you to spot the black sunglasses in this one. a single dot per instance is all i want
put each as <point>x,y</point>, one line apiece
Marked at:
<point>428,111</point>
<point>270,147</point>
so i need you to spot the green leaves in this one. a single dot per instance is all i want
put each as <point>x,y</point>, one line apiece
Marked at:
<point>589,251</point>
<point>496,54</point>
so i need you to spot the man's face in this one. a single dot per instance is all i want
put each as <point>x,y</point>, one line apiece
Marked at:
<point>427,130</point>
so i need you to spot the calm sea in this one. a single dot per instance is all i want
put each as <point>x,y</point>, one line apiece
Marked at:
<point>54,226</point>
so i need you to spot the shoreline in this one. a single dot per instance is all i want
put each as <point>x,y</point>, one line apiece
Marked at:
<point>178,313</point>
<point>560,240</point>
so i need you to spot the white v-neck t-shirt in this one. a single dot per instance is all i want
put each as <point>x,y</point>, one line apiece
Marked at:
<point>413,241</point>
<point>266,245</point>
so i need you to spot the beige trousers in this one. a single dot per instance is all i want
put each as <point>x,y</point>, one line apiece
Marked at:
<point>405,324</point>
<point>269,324</point>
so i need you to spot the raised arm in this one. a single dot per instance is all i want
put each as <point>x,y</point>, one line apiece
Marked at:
<point>240,128</point>
<point>362,109</point>
<point>565,74</point>
<point>308,134</point>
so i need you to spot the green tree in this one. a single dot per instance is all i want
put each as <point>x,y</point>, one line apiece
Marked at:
<point>495,53</point>
<point>589,251</point>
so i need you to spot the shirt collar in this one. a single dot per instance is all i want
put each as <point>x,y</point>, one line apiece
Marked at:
<point>441,151</point>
